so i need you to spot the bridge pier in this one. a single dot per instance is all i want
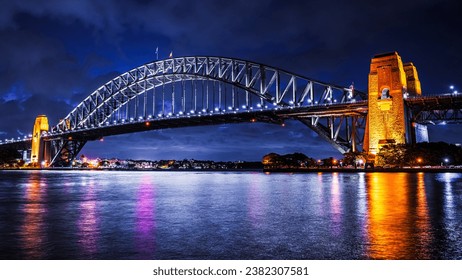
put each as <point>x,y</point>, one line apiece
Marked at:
<point>390,83</point>
<point>40,151</point>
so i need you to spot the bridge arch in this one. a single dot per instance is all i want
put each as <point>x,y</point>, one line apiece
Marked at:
<point>257,86</point>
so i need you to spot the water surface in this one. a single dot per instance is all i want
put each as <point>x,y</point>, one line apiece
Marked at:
<point>229,215</point>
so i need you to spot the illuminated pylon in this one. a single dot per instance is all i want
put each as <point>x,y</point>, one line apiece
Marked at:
<point>390,83</point>
<point>38,147</point>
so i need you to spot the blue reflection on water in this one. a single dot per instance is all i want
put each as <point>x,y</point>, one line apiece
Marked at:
<point>212,215</point>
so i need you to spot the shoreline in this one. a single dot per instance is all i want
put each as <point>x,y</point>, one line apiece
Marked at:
<point>269,170</point>
<point>368,170</point>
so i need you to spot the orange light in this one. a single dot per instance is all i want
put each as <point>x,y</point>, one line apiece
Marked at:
<point>147,123</point>
<point>69,138</point>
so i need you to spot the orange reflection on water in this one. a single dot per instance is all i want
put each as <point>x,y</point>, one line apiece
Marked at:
<point>398,224</point>
<point>32,231</point>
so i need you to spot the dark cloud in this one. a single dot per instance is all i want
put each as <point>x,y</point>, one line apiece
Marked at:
<point>54,53</point>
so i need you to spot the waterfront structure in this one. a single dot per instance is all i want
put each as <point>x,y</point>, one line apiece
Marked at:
<point>201,90</point>
<point>39,150</point>
<point>390,83</point>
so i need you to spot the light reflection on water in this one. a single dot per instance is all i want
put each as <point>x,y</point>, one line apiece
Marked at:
<point>87,228</point>
<point>212,215</point>
<point>32,232</point>
<point>396,220</point>
<point>146,219</point>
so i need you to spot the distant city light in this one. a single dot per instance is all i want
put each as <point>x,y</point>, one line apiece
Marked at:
<point>451,87</point>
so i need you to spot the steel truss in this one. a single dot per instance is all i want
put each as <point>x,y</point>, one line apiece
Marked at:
<point>194,86</point>
<point>440,109</point>
<point>345,133</point>
<point>267,85</point>
<point>65,151</point>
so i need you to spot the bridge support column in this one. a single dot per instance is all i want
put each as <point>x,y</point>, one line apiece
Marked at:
<point>420,133</point>
<point>65,151</point>
<point>390,82</point>
<point>40,151</point>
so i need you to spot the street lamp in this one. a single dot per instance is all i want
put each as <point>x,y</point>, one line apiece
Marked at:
<point>419,161</point>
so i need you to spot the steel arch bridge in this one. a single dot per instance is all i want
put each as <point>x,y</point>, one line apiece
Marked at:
<point>201,90</point>
<point>205,90</point>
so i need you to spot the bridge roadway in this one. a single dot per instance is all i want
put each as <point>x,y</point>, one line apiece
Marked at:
<point>425,109</point>
<point>274,115</point>
<point>443,108</point>
<point>436,109</point>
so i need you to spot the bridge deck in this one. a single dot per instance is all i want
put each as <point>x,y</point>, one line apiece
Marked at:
<point>213,118</point>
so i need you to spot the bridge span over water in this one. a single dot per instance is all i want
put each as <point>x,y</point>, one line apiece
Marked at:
<point>202,90</point>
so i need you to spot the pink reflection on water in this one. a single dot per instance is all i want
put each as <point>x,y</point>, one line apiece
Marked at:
<point>32,232</point>
<point>88,229</point>
<point>145,218</point>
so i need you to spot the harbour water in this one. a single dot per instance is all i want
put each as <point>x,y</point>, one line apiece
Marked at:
<point>229,215</point>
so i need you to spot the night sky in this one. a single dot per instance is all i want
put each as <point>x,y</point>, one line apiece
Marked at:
<point>54,53</point>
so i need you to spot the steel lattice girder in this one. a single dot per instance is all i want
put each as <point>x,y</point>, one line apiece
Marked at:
<point>436,109</point>
<point>267,83</point>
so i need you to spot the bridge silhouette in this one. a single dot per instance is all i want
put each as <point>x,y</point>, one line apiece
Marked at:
<point>202,90</point>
